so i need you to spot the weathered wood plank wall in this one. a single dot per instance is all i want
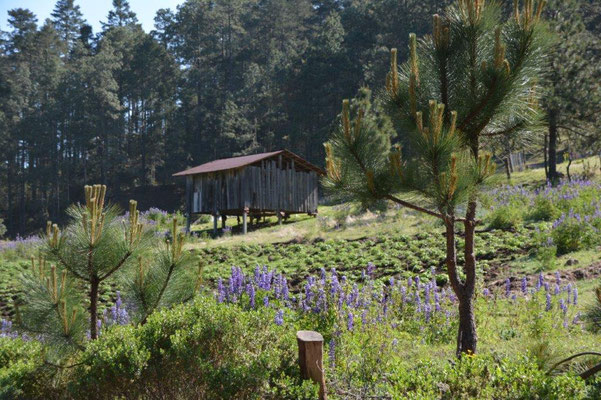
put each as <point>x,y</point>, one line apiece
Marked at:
<point>264,187</point>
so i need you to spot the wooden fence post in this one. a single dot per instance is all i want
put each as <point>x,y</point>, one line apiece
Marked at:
<point>310,358</point>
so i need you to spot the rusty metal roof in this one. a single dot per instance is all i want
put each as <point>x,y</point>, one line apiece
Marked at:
<point>242,161</point>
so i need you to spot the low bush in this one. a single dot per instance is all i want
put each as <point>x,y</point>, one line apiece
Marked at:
<point>203,350</point>
<point>24,373</point>
<point>483,377</point>
<point>505,217</point>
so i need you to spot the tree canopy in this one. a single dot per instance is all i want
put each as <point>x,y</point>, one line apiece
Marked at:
<point>214,79</point>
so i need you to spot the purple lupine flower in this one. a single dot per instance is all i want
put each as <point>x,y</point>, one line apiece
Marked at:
<point>266,301</point>
<point>370,269</point>
<point>285,292</point>
<point>514,297</point>
<point>540,281</point>
<point>332,352</point>
<point>118,302</point>
<point>364,317</point>
<point>507,287</point>
<point>250,290</point>
<point>418,302</point>
<point>6,328</point>
<point>334,285</point>
<point>556,291</point>
<point>525,285</point>
<point>576,319</point>
<point>220,291</point>
<point>548,305</point>
<point>546,285</point>
<point>409,282</point>
<point>486,292</point>
<point>563,306</point>
<point>427,310</point>
<point>569,288</point>
<point>557,278</point>
<point>279,317</point>
<point>349,321</point>
<point>575,296</point>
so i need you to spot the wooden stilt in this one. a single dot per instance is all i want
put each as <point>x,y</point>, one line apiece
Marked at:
<point>244,222</point>
<point>215,217</point>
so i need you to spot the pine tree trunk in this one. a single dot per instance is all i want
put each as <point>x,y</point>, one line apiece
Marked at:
<point>553,176</point>
<point>94,284</point>
<point>546,155</point>
<point>507,171</point>
<point>467,338</point>
<point>466,335</point>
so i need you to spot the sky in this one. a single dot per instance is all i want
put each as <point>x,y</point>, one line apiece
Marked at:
<point>93,11</point>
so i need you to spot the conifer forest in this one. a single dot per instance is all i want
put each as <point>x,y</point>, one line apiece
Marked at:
<point>301,199</point>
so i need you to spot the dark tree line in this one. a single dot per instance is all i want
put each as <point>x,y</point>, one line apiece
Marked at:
<point>214,79</point>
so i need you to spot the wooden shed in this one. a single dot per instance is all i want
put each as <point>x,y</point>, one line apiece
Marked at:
<point>276,183</point>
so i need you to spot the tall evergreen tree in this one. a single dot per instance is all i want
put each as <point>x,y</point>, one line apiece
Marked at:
<point>572,97</point>
<point>68,21</point>
<point>472,79</point>
<point>120,15</point>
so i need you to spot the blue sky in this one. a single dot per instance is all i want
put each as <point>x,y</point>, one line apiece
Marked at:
<point>93,11</point>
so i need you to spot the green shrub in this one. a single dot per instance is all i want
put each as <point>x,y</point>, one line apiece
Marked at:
<point>202,350</point>
<point>23,372</point>
<point>482,377</point>
<point>543,209</point>
<point>572,235</point>
<point>505,217</point>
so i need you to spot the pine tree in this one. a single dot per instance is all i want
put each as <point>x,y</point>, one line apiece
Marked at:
<point>68,21</point>
<point>97,245</point>
<point>473,79</point>
<point>120,15</point>
<point>572,96</point>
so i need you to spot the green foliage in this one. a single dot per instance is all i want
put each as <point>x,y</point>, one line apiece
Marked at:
<point>392,254</point>
<point>201,350</point>
<point>2,228</point>
<point>505,217</point>
<point>571,235</point>
<point>543,209</point>
<point>23,372</point>
<point>483,377</point>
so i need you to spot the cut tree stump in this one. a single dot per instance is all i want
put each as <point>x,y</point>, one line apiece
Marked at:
<point>310,358</point>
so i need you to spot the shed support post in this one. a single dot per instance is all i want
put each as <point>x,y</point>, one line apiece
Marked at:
<point>244,220</point>
<point>215,217</point>
<point>189,194</point>
<point>223,219</point>
<point>310,358</point>
<point>279,218</point>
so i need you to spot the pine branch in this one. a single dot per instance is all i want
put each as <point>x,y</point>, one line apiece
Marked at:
<point>116,267</point>
<point>161,292</point>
